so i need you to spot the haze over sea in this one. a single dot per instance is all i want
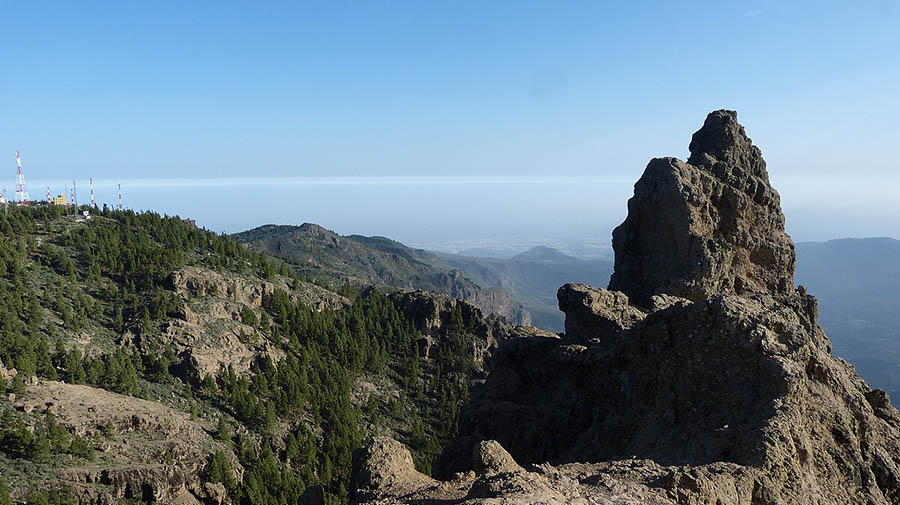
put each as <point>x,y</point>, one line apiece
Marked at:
<point>500,214</point>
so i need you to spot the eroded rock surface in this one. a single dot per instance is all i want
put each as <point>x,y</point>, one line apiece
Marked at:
<point>712,225</point>
<point>699,377</point>
<point>149,452</point>
<point>385,476</point>
<point>208,335</point>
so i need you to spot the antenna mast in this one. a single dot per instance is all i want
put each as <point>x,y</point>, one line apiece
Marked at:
<point>93,204</point>
<point>21,189</point>
<point>120,196</point>
<point>74,196</point>
<point>49,200</point>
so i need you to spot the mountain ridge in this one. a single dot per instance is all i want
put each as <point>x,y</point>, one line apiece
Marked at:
<point>321,254</point>
<point>145,360</point>
<point>529,279</point>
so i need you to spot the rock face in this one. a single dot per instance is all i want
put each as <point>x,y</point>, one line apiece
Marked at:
<point>710,226</point>
<point>432,314</point>
<point>699,377</point>
<point>490,301</point>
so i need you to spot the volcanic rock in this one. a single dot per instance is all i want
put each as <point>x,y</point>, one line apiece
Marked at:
<point>700,376</point>
<point>710,226</point>
<point>593,311</point>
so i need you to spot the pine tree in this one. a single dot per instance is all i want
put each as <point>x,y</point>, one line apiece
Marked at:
<point>223,432</point>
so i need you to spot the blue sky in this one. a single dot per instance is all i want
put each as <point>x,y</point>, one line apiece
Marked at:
<point>191,94</point>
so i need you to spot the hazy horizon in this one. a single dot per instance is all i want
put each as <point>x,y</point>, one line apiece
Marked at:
<point>510,214</point>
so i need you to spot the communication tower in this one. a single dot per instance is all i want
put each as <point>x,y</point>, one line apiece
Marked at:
<point>21,190</point>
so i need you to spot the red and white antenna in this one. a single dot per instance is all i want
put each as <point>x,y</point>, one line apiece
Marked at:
<point>93,204</point>
<point>21,189</point>
<point>49,200</point>
<point>120,197</point>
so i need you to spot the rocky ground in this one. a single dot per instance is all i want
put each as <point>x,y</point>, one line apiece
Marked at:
<point>211,335</point>
<point>147,451</point>
<point>700,377</point>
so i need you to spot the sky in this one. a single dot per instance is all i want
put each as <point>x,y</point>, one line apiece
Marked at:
<point>446,124</point>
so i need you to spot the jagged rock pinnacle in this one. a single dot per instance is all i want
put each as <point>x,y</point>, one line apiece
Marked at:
<point>707,227</point>
<point>723,139</point>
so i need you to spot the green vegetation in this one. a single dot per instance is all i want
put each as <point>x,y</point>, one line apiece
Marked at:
<point>4,493</point>
<point>332,260</point>
<point>291,424</point>
<point>40,442</point>
<point>45,497</point>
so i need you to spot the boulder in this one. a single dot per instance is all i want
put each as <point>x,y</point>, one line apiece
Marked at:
<point>384,467</point>
<point>491,457</point>
<point>593,311</point>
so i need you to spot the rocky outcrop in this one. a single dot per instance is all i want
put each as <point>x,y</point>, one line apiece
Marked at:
<point>490,301</point>
<point>133,438</point>
<point>433,315</point>
<point>592,311</point>
<point>196,281</point>
<point>700,376</point>
<point>385,476</point>
<point>710,226</point>
<point>383,468</point>
<point>208,334</point>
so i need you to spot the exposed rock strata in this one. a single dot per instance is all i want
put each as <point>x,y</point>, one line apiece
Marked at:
<point>700,377</point>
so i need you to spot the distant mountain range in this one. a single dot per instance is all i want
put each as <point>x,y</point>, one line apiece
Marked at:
<point>533,277</point>
<point>325,256</point>
<point>530,279</point>
<point>855,280</point>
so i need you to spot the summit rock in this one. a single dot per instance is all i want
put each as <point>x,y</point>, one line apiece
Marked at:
<point>712,225</point>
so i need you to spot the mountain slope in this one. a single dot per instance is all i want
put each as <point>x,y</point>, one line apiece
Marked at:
<point>321,254</point>
<point>856,283</point>
<point>145,360</point>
